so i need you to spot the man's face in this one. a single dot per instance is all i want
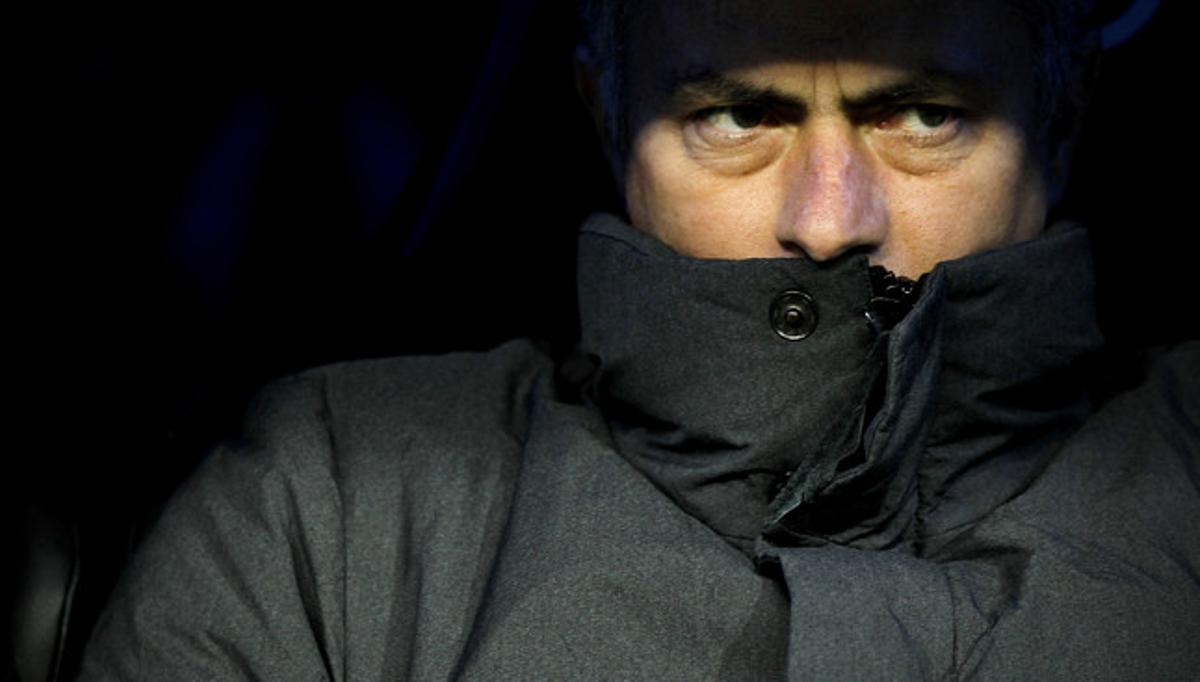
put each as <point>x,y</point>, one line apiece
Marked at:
<point>766,128</point>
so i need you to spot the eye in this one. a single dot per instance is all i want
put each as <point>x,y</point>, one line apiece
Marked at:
<point>736,119</point>
<point>925,124</point>
<point>729,127</point>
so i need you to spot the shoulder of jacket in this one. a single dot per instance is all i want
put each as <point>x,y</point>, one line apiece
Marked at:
<point>1165,401</point>
<point>402,416</point>
<point>1174,376</point>
<point>1134,467</point>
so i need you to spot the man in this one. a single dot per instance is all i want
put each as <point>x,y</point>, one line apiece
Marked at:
<point>829,416</point>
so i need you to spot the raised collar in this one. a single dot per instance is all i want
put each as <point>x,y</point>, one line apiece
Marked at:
<point>848,435</point>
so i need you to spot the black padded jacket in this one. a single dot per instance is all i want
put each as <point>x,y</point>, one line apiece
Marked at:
<point>711,487</point>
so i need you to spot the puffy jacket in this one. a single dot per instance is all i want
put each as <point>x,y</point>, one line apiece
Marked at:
<point>739,474</point>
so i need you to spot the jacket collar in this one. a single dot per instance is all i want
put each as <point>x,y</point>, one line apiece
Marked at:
<point>848,435</point>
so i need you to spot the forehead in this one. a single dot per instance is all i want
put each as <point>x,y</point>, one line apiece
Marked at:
<point>982,36</point>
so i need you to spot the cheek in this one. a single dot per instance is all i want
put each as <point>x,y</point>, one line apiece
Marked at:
<point>697,212</point>
<point>930,221</point>
<point>995,198</point>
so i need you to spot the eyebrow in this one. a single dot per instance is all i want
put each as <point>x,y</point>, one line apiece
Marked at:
<point>699,86</point>
<point>705,85</point>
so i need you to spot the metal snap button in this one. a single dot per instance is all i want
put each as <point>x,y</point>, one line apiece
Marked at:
<point>794,315</point>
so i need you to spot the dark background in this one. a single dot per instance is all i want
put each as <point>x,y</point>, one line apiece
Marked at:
<point>208,200</point>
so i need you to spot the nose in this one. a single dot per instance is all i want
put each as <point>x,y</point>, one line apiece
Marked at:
<point>833,201</point>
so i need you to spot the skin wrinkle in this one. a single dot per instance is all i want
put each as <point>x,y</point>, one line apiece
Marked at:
<point>833,177</point>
